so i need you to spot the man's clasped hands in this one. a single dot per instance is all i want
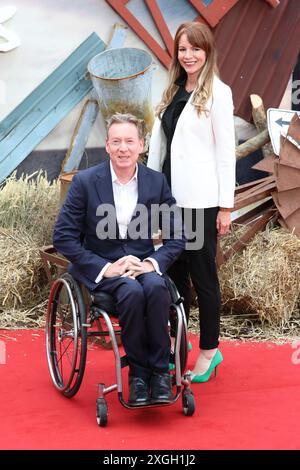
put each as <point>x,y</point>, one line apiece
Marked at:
<point>129,266</point>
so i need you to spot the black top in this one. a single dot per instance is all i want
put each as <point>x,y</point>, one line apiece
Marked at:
<point>170,119</point>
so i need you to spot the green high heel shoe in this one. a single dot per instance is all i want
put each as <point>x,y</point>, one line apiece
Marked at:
<point>216,360</point>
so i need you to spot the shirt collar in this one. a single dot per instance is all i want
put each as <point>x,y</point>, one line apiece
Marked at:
<point>114,177</point>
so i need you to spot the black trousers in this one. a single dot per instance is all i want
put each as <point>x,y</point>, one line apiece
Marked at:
<point>200,267</point>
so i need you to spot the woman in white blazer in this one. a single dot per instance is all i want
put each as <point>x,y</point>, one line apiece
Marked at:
<point>193,143</point>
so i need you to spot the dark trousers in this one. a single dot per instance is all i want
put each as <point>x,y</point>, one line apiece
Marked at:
<point>200,267</point>
<point>143,310</point>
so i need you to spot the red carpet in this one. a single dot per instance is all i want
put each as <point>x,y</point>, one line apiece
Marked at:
<point>254,403</point>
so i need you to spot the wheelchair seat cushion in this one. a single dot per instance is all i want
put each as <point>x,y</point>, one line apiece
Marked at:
<point>104,301</point>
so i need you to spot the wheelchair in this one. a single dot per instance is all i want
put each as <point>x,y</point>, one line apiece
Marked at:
<point>74,314</point>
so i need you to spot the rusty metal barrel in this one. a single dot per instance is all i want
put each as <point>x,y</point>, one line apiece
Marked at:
<point>122,79</point>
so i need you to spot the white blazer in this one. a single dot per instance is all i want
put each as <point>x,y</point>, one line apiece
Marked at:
<point>202,152</point>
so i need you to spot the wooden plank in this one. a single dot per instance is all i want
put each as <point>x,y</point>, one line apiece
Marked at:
<point>120,7</point>
<point>253,213</point>
<point>246,186</point>
<point>118,36</point>
<point>265,192</point>
<point>80,135</point>
<point>213,10</point>
<point>255,189</point>
<point>161,25</point>
<point>30,122</point>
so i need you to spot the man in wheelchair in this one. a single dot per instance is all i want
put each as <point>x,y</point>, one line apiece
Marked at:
<point>105,229</point>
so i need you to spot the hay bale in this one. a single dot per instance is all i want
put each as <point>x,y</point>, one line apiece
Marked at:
<point>30,205</point>
<point>21,271</point>
<point>264,279</point>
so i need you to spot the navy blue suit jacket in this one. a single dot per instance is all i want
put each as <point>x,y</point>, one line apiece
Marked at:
<point>75,232</point>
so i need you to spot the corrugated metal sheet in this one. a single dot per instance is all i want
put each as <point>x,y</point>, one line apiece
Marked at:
<point>258,48</point>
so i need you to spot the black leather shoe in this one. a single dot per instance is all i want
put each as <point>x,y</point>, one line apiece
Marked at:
<point>139,393</point>
<point>161,387</point>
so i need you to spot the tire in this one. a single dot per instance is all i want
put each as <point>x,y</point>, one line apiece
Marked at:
<point>101,412</point>
<point>188,403</point>
<point>66,337</point>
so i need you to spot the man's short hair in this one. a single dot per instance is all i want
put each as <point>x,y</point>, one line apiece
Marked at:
<point>119,118</point>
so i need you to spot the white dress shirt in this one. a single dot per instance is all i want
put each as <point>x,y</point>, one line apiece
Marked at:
<point>125,198</point>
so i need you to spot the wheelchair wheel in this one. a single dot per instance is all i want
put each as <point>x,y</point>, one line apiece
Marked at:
<point>188,402</point>
<point>66,335</point>
<point>101,412</point>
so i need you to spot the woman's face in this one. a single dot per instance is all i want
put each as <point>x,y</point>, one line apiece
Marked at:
<point>191,58</point>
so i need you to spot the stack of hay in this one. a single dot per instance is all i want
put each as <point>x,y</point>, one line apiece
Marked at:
<point>28,208</point>
<point>264,279</point>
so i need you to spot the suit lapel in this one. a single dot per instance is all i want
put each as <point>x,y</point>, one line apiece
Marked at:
<point>143,176</point>
<point>103,183</point>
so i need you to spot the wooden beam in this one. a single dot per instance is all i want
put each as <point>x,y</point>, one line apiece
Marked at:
<point>257,188</point>
<point>258,196</point>
<point>161,25</point>
<point>253,213</point>
<point>80,135</point>
<point>246,186</point>
<point>120,7</point>
<point>213,13</point>
<point>260,121</point>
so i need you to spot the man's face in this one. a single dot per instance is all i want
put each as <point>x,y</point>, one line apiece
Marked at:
<point>123,146</point>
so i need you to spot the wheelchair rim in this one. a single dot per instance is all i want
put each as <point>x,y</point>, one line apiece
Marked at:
<point>51,339</point>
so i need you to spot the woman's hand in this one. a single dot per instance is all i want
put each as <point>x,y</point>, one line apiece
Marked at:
<point>223,222</point>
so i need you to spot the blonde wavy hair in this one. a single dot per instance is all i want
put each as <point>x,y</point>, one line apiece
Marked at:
<point>198,35</point>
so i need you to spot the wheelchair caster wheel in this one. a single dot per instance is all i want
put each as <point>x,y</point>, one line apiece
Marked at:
<point>188,403</point>
<point>101,412</point>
